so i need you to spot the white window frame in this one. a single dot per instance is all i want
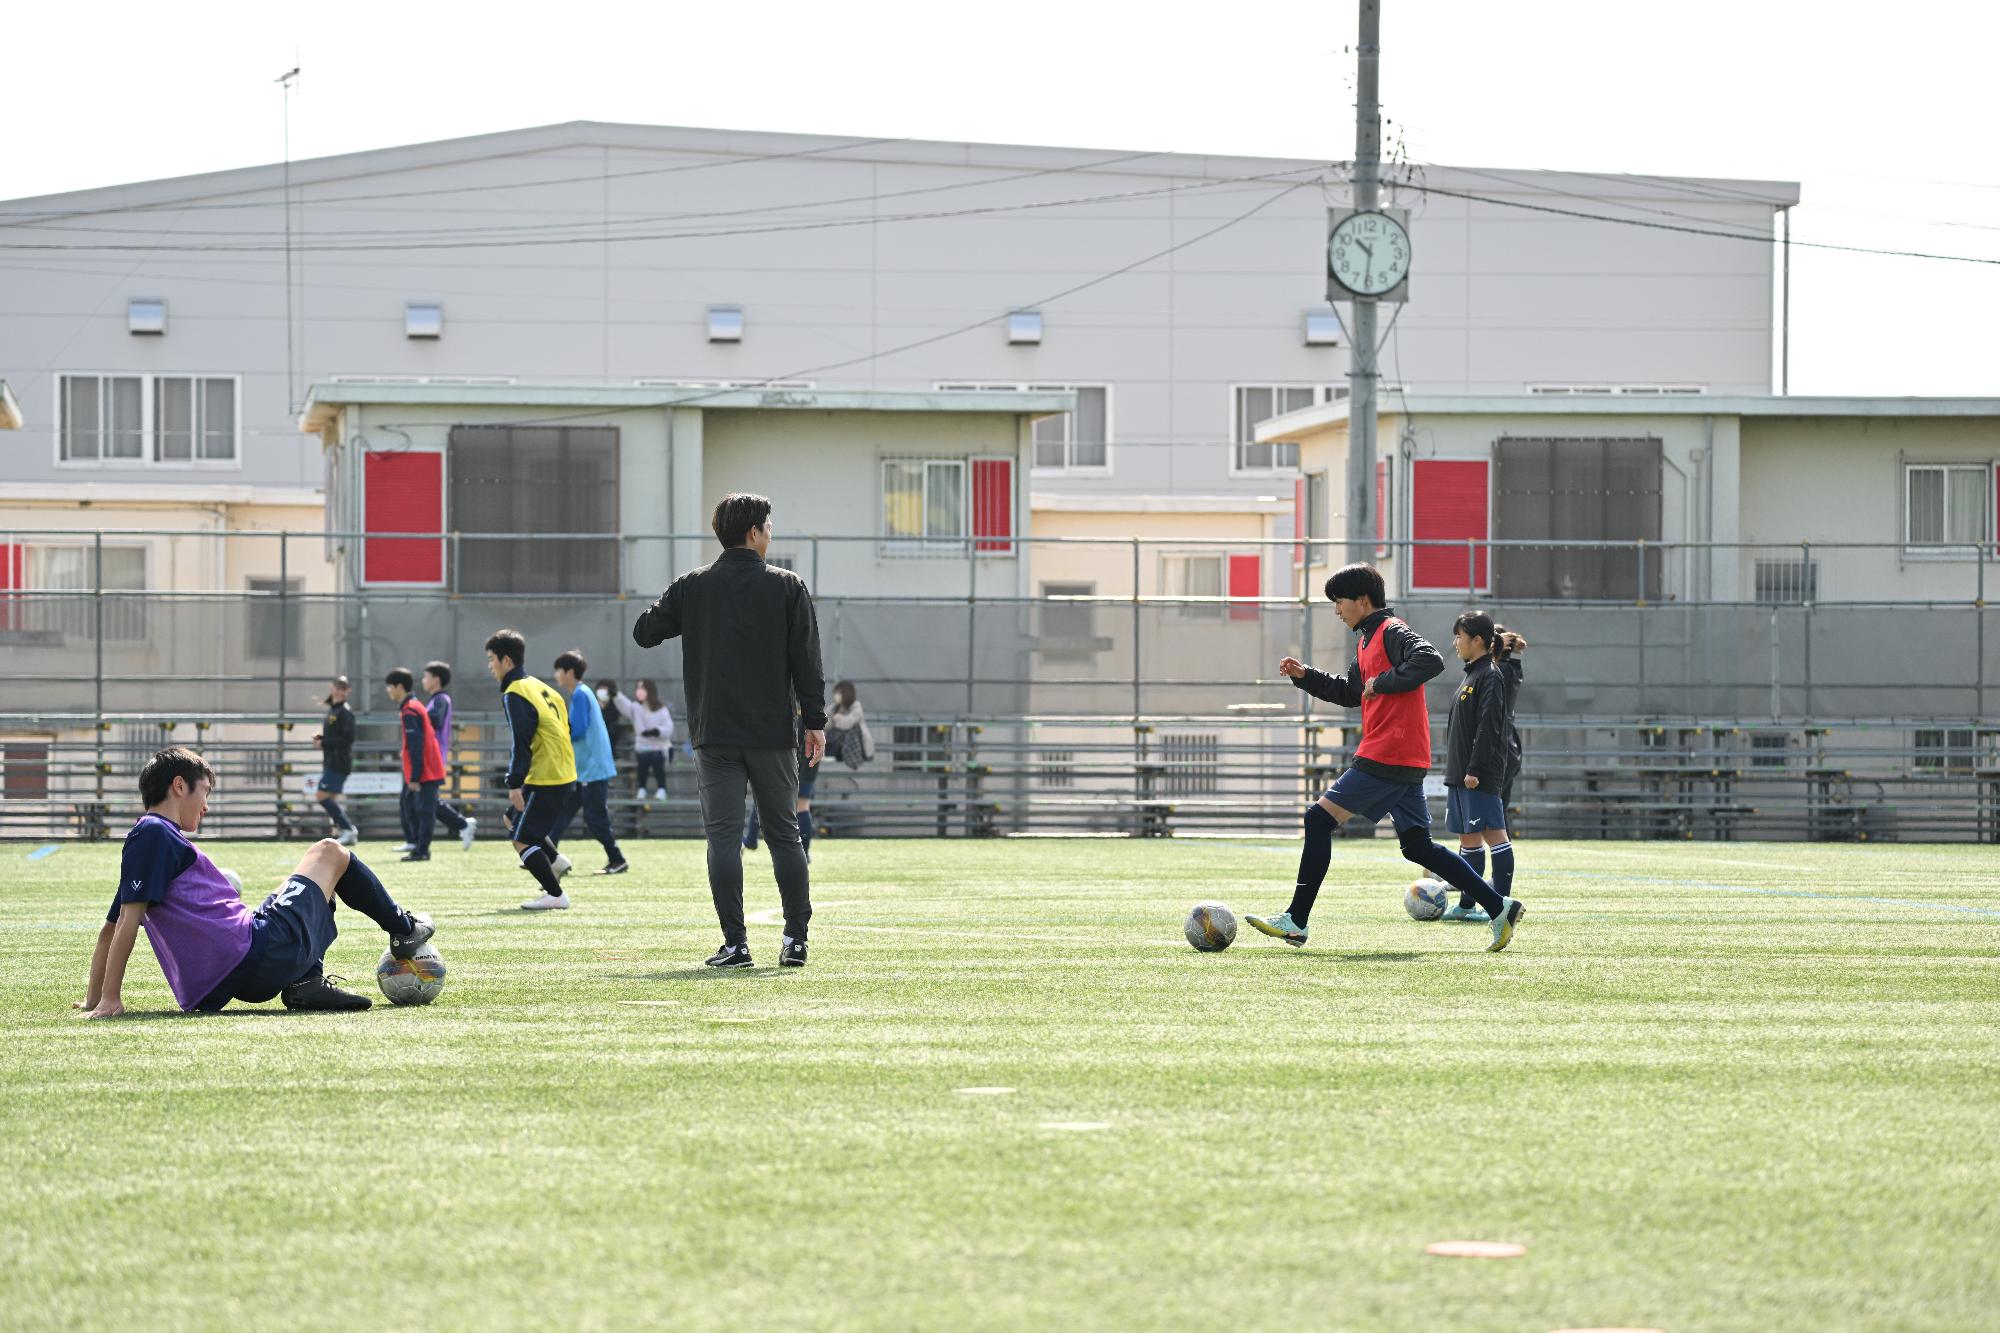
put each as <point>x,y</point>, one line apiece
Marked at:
<point>1981,545</point>
<point>146,566</point>
<point>924,546</point>
<point>1035,468</point>
<point>149,456</point>
<point>1241,431</point>
<point>1197,611</point>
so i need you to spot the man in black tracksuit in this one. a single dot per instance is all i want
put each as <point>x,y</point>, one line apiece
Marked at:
<point>751,664</point>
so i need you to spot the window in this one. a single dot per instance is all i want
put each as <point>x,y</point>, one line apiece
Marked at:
<point>1448,503</point>
<point>1253,404</point>
<point>1193,576</point>
<point>923,502</point>
<point>1945,750</point>
<point>1069,441</point>
<point>273,625</point>
<point>1552,491</point>
<point>56,570</point>
<point>512,482</point>
<point>1068,630</point>
<point>1188,764</point>
<point>1945,504</point>
<point>147,418</point>
<point>1787,582</point>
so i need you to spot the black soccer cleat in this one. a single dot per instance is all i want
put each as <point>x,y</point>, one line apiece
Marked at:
<point>318,991</point>
<point>616,868</point>
<point>730,955</point>
<point>416,856</point>
<point>793,954</point>
<point>405,946</point>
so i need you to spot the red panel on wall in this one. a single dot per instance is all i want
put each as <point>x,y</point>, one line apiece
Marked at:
<point>1447,503</point>
<point>1246,579</point>
<point>402,493</point>
<point>13,574</point>
<point>993,504</point>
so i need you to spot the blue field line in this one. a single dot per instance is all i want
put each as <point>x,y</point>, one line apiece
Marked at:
<point>44,851</point>
<point>1734,888</point>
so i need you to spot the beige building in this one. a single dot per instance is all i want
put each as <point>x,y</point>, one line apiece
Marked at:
<point>1737,499</point>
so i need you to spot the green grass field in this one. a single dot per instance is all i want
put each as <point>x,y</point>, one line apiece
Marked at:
<point>1710,1087</point>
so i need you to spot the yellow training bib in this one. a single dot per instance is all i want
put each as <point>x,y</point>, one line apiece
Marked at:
<point>551,758</point>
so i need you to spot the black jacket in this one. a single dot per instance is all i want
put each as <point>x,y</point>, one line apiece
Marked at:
<point>749,651</point>
<point>1511,673</point>
<point>1476,738</point>
<point>336,739</point>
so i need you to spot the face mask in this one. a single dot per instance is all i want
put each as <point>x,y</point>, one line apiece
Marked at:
<point>603,695</point>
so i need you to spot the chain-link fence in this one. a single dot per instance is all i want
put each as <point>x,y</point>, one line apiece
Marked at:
<point>1086,682</point>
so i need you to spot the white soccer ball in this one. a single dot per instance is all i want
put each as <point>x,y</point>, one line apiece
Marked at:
<point>1426,899</point>
<point>235,880</point>
<point>1210,927</point>
<point>415,980</point>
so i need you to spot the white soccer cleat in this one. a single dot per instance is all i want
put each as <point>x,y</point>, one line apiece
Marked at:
<point>465,834</point>
<point>404,847</point>
<point>660,793</point>
<point>561,865</point>
<point>547,902</point>
<point>347,837</point>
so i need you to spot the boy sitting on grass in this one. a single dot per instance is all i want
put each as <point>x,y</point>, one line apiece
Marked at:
<point>211,946</point>
<point>1386,682</point>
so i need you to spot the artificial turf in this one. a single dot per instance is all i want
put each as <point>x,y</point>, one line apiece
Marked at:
<point>1711,1086</point>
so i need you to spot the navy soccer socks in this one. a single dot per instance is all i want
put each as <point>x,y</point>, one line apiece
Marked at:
<point>1503,869</point>
<point>361,890</point>
<point>1476,858</point>
<point>1448,866</point>
<point>1314,858</point>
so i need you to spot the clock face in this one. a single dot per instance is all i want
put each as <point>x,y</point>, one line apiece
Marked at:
<point>1368,253</point>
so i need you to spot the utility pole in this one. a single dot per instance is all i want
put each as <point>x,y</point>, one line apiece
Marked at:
<point>285,82</point>
<point>1361,360</point>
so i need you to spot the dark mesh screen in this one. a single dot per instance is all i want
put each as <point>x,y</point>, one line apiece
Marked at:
<point>1584,490</point>
<point>508,480</point>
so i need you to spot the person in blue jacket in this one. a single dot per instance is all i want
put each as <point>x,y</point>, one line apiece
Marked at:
<point>594,765</point>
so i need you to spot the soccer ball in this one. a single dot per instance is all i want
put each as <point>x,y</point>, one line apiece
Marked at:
<point>1426,899</point>
<point>1210,927</point>
<point>235,880</point>
<point>411,980</point>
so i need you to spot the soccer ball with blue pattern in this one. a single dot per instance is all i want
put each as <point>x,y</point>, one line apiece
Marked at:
<point>1426,899</point>
<point>414,980</point>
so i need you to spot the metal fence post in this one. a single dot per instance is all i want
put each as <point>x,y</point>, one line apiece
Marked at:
<point>1805,566</point>
<point>97,593</point>
<point>284,656</point>
<point>1642,613</point>
<point>1471,569</point>
<point>971,625</point>
<point>1979,636</point>
<point>1136,629</point>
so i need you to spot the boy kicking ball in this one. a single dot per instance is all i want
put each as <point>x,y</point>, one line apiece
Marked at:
<point>211,946</point>
<point>1386,682</point>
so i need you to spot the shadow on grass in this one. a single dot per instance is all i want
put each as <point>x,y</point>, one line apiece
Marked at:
<point>1300,955</point>
<point>700,974</point>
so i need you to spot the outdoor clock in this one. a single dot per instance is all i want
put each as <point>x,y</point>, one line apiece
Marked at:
<point>1367,254</point>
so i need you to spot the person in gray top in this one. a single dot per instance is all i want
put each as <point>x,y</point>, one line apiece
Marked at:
<point>750,661</point>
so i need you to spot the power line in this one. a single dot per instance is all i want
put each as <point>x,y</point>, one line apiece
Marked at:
<point>599,238</point>
<point>458,189</point>
<point>1051,299</point>
<point>629,221</point>
<point>1759,238</point>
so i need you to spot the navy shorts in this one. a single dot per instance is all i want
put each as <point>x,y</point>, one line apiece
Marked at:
<point>332,783</point>
<point>1368,797</point>
<point>542,810</point>
<point>1473,811</point>
<point>290,934</point>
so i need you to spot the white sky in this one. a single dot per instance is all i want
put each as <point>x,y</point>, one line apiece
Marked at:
<point>1882,115</point>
